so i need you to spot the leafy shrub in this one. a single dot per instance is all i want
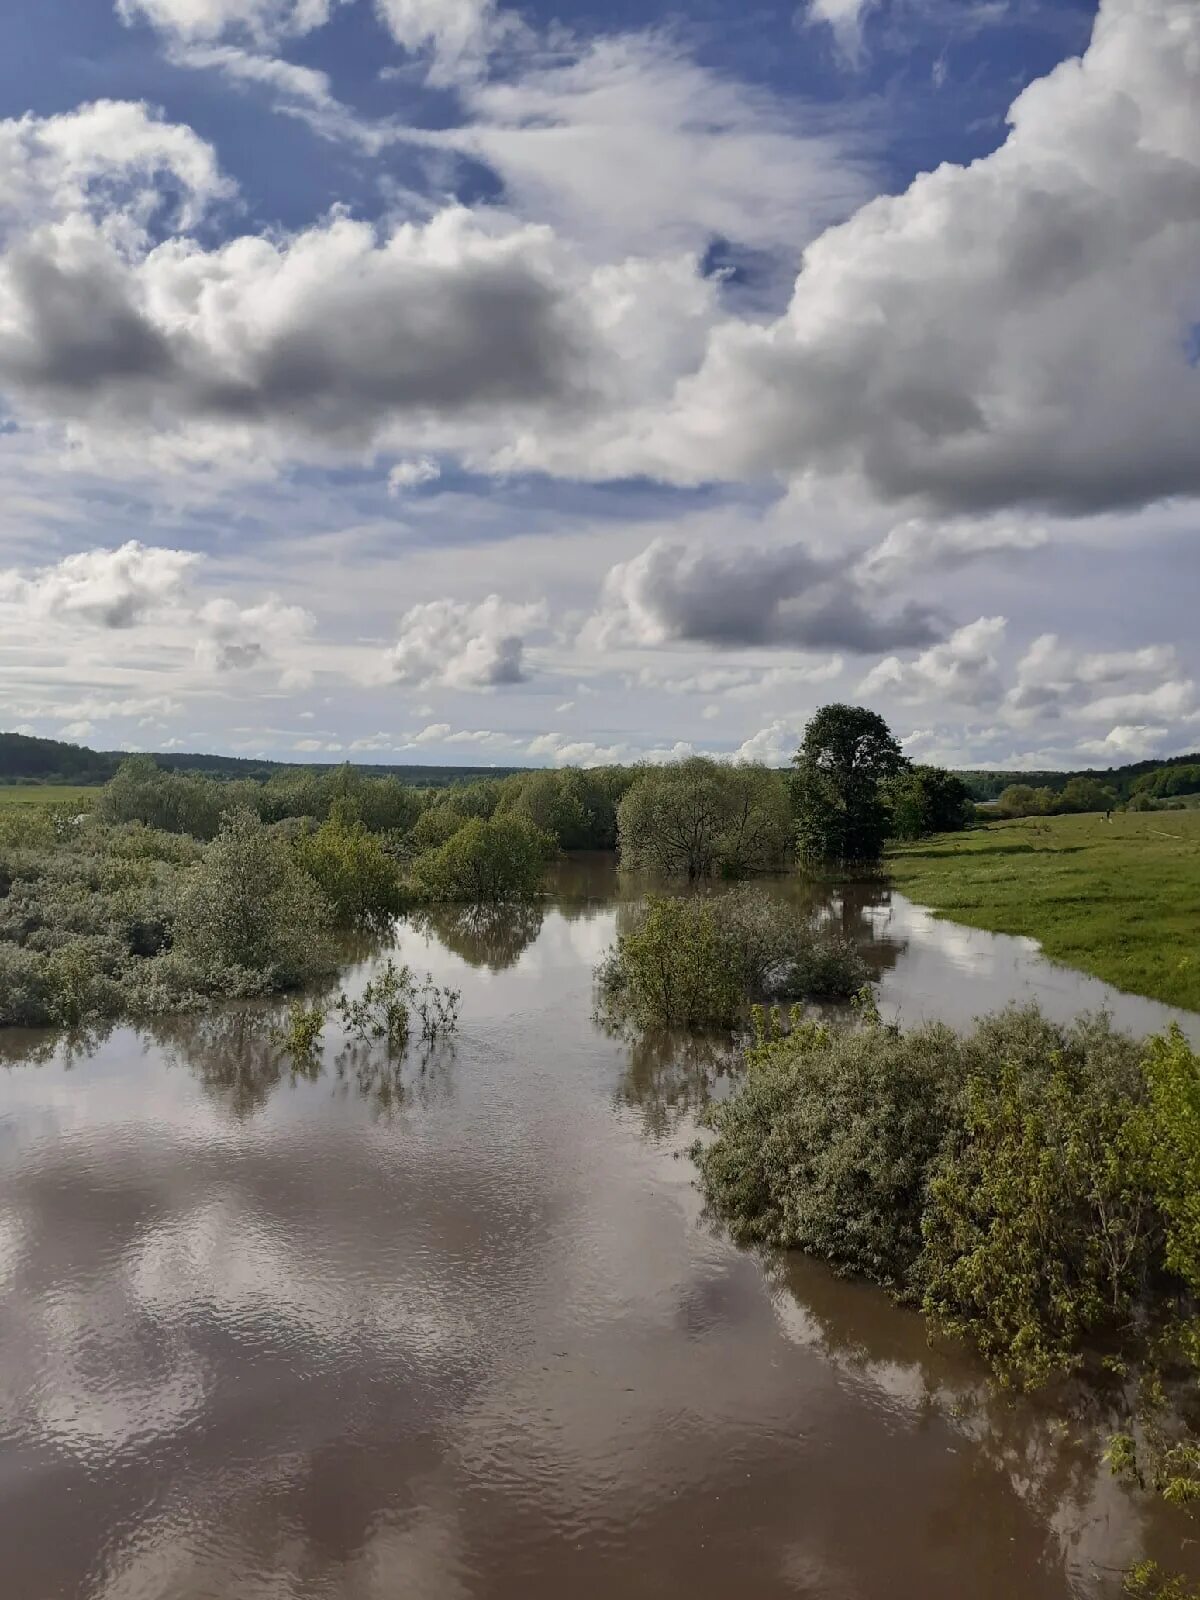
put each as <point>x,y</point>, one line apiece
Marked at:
<point>496,859</point>
<point>1039,1222</point>
<point>1033,1185</point>
<point>434,828</point>
<point>247,905</point>
<point>698,818</point>
<point>26,990</point>
<point>384,1009</point>
<point>358,879</point>
<point>300,1032</point>
<point>828,1145</point>
<point>698,959</point>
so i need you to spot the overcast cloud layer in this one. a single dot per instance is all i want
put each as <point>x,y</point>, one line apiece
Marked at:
<point>505,386</point>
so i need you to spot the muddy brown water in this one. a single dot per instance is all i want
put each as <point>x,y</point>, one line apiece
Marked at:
<point>463,1330</point>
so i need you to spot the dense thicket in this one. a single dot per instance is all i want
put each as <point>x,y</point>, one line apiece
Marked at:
<point>1078,795</point>
<point>698,960</point>
<point>699,818</point>
<point>1033,1186</point>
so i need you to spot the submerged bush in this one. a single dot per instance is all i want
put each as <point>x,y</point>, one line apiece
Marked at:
<point>828,1145</point>
<point>697,960</point>
<point>495,859</point>
<point>1034,1186</point>
<point>1039,1222</point>
<point>385,1009</point>
<point>359,880</point>
<point>247,905</point>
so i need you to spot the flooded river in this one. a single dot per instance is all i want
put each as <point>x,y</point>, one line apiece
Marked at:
<point>463,1330</point>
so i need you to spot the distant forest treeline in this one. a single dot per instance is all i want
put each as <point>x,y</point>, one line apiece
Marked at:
<point>24,759</point>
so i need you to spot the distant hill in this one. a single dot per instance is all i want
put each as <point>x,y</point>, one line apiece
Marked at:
<point>25,760</point>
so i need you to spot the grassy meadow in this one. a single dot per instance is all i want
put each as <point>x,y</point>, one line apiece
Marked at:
<point>1118,899</point>
<point>48,794</point>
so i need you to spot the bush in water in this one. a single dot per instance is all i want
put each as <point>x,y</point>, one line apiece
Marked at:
<point>827,1146</point>
<point>485,860</point>
<point>1033,1185</point>
<point>359,880</point>
<point>697,960</point>
<point>247,905</point>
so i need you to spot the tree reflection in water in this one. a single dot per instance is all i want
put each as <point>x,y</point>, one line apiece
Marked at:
<point>418,1076</point>
<point>495,936</point>
<point>672,1074</point>
<point>233,1055</point>
<point>1047,1447</point>
<point>240,1065</point>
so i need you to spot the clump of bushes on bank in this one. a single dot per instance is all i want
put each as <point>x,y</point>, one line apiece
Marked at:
<point>1034,1188</point>
<point>699,960</point>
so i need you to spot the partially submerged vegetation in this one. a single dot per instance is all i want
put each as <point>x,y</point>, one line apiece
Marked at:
<point>1117,899</point>
<point>700,960</point>
<point>1034,1188</point>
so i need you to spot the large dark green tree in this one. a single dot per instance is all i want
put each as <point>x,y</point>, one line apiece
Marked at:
<point>848,754</point>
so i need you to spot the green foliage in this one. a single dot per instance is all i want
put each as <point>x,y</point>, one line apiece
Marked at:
<point>384,1010</point>
<point>1167,782</point>
<point>924,800</point>
<point>696,960</point>
<point>359,880</point>
<point>847,755</point>
<point>697,818</point>
<point>828,1145</point>
<point>496,859</point>
<point>1085,794</point>
<point>1148,1581</point>
<point>1172,1140</point>
<point>434,827</point>
<point>248,906</point>
<point>173,802</point>
<point>1038,1229</point>
<point>577,808</point>
<point>300,1032</point>
<point>1032,1185</point>
<point>1022,800</point>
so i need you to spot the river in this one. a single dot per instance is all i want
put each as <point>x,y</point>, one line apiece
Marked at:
<point>462,1329</point>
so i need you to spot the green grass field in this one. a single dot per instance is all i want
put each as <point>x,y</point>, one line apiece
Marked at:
<point>47,794</point>
<point>1118,899</point>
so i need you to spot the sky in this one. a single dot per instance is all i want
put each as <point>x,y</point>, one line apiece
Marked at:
<point>445,381</point>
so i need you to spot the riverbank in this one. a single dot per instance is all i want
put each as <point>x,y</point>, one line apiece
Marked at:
<point>1116,899</point>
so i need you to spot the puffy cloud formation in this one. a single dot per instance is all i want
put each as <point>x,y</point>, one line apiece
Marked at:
<point>412,474</point>
<point>1016,331</point>
<point>1127,687</point>
<point>147,588</point>
<point>770,595</point>
<point>232,638</point>
<point>106,588</point>
<point>919,544</point>
<point>333,333</point>
<point>117,161</point>
<point>463,646</point>
<point>962,669</point>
